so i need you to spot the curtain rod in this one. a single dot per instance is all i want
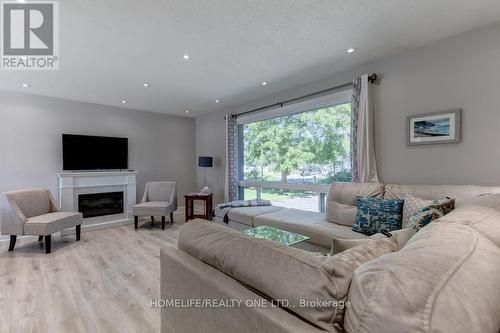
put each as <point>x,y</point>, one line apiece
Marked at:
<point>371,78</point>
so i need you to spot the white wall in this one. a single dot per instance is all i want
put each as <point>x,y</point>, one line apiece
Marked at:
<point>460,72</point>
<point>161,147</point>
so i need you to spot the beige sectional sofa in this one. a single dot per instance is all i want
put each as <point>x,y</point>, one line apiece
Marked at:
<point>445,279</point>
<point>306,223</point>
<point>340,210</point>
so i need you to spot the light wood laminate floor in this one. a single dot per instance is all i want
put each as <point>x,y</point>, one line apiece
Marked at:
<point>104,283</point>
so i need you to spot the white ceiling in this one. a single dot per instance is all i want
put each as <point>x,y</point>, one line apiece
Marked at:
<point>109,48</point>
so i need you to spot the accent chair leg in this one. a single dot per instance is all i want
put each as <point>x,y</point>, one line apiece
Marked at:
<point>40,238</point>
<point>163,222</point>
<point>152,220</point>
<point>78,232</point>
<point>172,218</point>
<point>12,242</point>
<point>48,243</point>
<point>136,222</point>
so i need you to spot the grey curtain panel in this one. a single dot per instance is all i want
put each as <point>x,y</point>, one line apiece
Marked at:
<point>363,161</point>
<point>356,94</point>
<point>232,179</point>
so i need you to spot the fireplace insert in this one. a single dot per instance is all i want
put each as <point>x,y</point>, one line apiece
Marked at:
<point>100,204</point>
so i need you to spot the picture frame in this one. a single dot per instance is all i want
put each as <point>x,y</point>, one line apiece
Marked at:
<point>440,127</point>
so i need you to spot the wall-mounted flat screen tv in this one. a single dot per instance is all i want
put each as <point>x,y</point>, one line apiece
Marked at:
<point>84,152</point>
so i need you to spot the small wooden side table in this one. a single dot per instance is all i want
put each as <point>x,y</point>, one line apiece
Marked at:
<point>189,206</point>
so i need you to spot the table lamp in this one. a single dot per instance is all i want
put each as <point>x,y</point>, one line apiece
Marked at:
<point>205,162</point>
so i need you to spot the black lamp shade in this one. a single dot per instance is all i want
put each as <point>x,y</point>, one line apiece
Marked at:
<point>205,161</point>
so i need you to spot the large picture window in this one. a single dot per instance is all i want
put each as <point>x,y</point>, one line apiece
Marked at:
<point>293,158</point>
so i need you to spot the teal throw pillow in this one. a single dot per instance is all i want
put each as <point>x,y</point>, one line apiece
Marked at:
<point>375,215</point>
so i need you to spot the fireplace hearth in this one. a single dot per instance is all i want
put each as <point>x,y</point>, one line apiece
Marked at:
<point>100,204</point>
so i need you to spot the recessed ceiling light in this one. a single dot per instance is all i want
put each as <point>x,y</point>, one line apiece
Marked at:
<point>124,102</point>
<point>146,85</point>
<point>217,101</point>
<point>187,111</point>
<point>351,50</point>
<point>26,85</point>
<point>264,83</point>
<point>186,56</point>
<point>21,1</point>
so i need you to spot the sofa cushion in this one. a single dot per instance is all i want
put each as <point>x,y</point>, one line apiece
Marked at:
<point>445,279</point>
<point>401,236</point>
<point>347,193</point>
<point>279,271</point>
<point>341,213</point>
<point>341,200</point>
<point>185,277</point>
<point>49,223</point>
<point>245,215</point>
<point>308,224</point>
<point>482,214</point>
<point>461,193</point>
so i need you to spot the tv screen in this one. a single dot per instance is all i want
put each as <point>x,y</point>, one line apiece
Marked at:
<point>83,152</point>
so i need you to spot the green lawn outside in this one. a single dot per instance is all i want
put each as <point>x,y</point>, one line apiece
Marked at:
<point>274,195</point>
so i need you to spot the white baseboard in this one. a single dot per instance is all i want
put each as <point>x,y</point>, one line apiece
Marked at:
<point>102,225</point>
<point>111,224</point>
<point>97,226</point>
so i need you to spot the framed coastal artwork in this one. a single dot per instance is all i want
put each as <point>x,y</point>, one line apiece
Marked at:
<point>434,128</point>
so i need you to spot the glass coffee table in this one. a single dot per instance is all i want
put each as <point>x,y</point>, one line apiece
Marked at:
<point>281,236</point>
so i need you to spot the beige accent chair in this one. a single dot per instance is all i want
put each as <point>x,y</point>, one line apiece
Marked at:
<point>34,212</point>
<point>159,199</point>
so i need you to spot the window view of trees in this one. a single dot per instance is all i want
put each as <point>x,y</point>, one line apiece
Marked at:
<point>311,147</point>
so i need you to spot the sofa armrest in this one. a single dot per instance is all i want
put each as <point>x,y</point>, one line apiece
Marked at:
<point>184,277</point>
<point>12,218</point>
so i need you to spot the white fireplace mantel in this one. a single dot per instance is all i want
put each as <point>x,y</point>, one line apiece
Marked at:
<point>72,184</point>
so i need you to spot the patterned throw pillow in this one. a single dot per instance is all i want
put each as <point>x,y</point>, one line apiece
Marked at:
<point>426,216</point>
<point>376,214</point>
<point>414,205</point>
